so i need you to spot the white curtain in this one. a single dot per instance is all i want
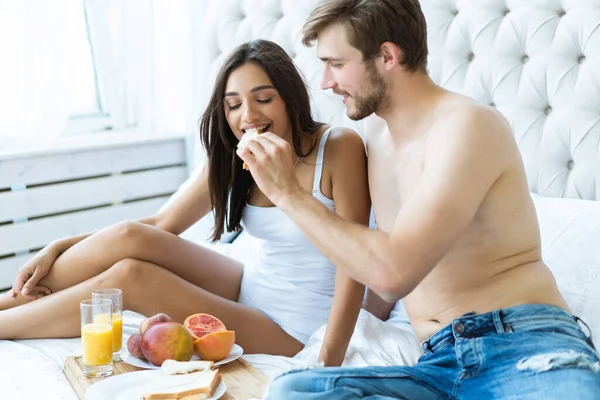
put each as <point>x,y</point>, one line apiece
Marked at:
<point>144,56</point>
<point>35,93</point>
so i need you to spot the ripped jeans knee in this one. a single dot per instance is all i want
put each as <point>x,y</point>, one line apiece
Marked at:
<point>559,360</point>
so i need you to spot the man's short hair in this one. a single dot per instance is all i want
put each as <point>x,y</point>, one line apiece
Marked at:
<point>369,23</point>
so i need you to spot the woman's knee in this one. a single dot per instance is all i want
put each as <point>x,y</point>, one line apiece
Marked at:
<point>127,236</point>
<point>127,230</point>
<point>126,271</point>
<point>134,278</point>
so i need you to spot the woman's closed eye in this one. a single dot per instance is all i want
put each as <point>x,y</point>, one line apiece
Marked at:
<point>261,101</point>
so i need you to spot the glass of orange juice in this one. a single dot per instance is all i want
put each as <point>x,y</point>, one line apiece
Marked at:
<point>97,337</point>
<point>116,297</point>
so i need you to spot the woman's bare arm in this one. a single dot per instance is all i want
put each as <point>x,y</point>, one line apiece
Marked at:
<point>186,209</point>
<point>183,212</point>
<point>377,306</point>
<point>348,165</point>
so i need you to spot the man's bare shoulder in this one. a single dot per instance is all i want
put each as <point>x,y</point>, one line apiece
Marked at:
<point>464,113</point>
<point>469,123</point>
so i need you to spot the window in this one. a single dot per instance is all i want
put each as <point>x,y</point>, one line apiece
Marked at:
<point>71,67</point>
<point>87,96</point>
<point>90,56</point>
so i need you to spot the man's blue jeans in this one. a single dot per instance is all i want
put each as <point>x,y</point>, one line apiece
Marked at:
<point>528,351</point>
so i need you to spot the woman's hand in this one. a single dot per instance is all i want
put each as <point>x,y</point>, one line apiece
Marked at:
<point>28,277</point>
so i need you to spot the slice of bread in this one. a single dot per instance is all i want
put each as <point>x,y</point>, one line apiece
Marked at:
<point>172,367</point>
<point>194,386</point>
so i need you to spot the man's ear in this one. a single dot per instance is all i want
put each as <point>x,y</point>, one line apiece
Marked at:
<point>391,55</point>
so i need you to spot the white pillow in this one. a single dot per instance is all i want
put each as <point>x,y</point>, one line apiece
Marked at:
<point>570,230</point>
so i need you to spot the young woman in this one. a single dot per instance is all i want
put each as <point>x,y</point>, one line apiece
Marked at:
<point>273,304</point>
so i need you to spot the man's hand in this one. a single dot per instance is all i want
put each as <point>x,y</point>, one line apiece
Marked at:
<point>269,158</point>
<point>26,282</point>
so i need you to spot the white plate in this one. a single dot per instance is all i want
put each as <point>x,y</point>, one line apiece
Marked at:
<point>235,353</point>
<point>132,386</point>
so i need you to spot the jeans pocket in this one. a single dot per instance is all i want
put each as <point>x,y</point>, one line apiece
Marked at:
<point>588,336</point>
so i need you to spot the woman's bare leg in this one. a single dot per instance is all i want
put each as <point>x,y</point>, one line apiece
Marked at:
<point>147,289</point>
<point>94,255</point>
<point>7,301</point>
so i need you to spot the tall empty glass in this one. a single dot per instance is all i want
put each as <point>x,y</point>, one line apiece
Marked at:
<point>116,297</point>
<point>97,337</point>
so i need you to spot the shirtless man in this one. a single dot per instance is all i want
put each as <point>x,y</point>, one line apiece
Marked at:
<point>458,238</point>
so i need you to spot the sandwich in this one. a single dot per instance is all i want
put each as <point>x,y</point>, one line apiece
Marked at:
<point>192,380</point>
<point>172,367</point>
<point>199,385</point>
<point>250,134</point>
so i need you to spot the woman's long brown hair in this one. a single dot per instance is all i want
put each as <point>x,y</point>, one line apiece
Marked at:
<point>229,184</point>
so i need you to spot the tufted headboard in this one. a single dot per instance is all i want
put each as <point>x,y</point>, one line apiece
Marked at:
<point>536,61</point>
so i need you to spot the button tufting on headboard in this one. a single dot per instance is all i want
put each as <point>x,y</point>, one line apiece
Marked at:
<point>529,55</point>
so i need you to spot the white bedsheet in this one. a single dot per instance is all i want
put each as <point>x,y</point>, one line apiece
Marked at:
<point>27,373</point>
<point>374,342</point>
<point>32,369</point>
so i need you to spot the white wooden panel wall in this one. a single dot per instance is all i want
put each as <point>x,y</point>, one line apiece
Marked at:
<point>46,197</point>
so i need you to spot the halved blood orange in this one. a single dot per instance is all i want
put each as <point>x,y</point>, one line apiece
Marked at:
<point>202,324</point>
<point>214,346</point>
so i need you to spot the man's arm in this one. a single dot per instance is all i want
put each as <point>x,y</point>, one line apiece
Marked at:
<point>461,164</point>
<point>358,250</point>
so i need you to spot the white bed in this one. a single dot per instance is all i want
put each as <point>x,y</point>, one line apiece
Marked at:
<point>537,61</point>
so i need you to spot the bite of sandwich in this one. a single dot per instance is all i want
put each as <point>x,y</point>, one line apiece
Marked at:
<point>248,135</point>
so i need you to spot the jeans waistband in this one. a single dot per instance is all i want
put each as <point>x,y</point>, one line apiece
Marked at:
<point>521,317</point>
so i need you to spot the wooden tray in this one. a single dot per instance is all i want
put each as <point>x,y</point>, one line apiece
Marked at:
<point>242,380</point>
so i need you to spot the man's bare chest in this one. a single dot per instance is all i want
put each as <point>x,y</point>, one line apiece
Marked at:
<point>393,176</point>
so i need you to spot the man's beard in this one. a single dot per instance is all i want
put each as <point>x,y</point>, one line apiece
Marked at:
<point>372,101</point>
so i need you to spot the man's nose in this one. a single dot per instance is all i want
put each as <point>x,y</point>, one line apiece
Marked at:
<point>327,81</point>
